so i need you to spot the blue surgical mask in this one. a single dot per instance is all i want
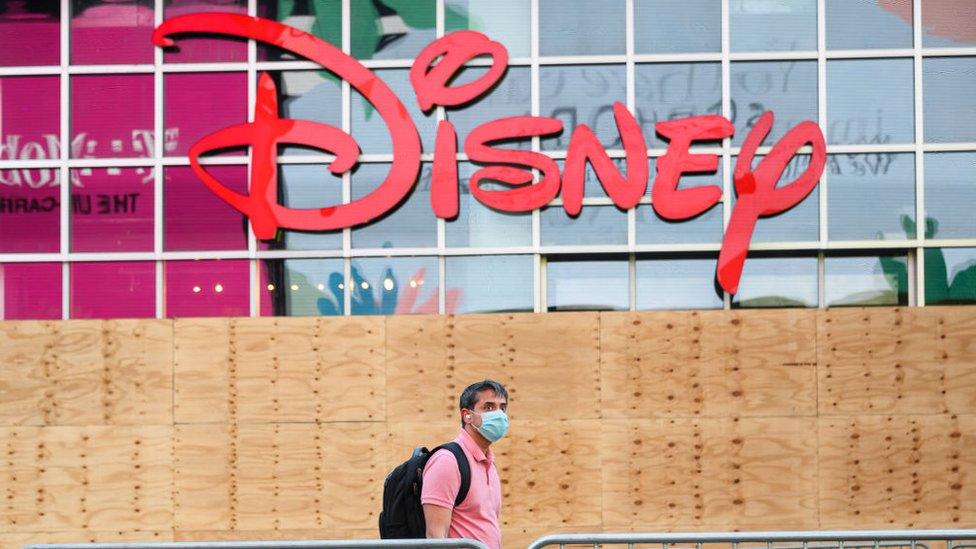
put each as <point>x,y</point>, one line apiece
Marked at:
<point>494,425</point>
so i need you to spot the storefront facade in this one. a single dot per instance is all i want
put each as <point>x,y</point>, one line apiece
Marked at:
<point>143,237</point>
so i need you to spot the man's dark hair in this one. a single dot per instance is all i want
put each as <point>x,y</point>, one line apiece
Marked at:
<point>469,397</point>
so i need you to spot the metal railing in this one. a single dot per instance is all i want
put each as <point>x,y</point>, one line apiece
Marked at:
<point>461,543</point>
<point>854,539</point>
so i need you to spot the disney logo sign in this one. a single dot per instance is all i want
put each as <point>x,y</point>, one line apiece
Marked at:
<point>431,73</point>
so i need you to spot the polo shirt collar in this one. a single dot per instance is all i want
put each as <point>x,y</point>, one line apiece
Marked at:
<point>468,443</point>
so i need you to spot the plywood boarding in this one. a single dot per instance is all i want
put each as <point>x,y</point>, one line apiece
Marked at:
<point>880,361</point>
<point>86,373</point>
<point>285,428</point>
<point>715,473</point>
<point>289,369</point>
<point>94,478</point>
<point>897,471</point>
<point>431,359</point>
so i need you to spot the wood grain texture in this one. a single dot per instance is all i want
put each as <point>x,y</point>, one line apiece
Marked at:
<point>955,354</point>
<point>111,372</point>
<point>897,471</point>
<point>285,428</point>
<point>17,540</point>
<point>86,478</point>
<point>716,473</point>
<point>880,361</point>
<point>432,359</point>
<point>651,364</point>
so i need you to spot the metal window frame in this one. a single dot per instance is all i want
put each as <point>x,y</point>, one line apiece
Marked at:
<point>822,246</point>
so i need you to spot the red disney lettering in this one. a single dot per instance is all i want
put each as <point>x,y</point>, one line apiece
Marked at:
<point>267,131</point>
<point>431,74</point>
<point>757,194</point>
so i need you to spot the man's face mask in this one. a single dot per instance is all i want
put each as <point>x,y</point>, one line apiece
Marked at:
<point>494,425</point>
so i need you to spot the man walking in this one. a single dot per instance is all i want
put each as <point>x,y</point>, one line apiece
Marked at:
<point>484,421</point>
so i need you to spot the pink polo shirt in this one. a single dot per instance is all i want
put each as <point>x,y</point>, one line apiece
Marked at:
<point>478,515</point>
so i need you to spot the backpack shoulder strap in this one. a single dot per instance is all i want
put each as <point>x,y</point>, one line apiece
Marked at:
<point>463,467</point>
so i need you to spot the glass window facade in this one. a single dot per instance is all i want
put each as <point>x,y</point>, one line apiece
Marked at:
<point>102,216</point>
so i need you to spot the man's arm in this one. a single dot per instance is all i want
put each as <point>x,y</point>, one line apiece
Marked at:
<point>438,520</point>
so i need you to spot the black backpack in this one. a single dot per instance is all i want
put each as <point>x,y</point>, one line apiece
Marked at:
<point>403,515</point>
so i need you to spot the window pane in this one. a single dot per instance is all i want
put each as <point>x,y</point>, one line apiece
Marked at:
<point>861,24</point>
<point>788,88</point>
<point>111,115</point>
<point>950,192</point>
<point>125,289</point>
<point>308,95</point>
<point>948,23</point>
<point>950,276</point>
<point>30,32</point>
<point>587,285</point>
<point>200,104</point>
<point>370,130</point>
<point>307,186</point>
<point>582,94</point>
<point>777,282</point>
<point>862,281</point>
<point>505,21</point>
<point>491,284</point>
<point>109,31</point>
<point>704,229</point>
<point>397,285</point>
<point>322,19</point>
<point>412,224</point>
<point>871,196</point>
<point>30,291</point>
<point>207,288</point>
<point>392,30</point>
<point>195,218</point>
<point>510,97</point>
<point>707,227</point>
<point>677,284</point>
<point>666,91</point>
<point>29,123</point>
<point>677,26</point>
<point>798,224</point>
<point>580,27</point>
<point>302,287</point>
<point>203,48</point>
<point>950,104</point>
<point>856,114</point>
<point>478,225</point>
<point>594,225</point>
<point>30,212</point>
<point>773,25</point>
<point>113,210</point>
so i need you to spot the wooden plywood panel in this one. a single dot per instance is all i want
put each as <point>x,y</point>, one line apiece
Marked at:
<point>402,437</point>
<point>420,383</point>
<point>651,364</point>
<point>275,535</point>
<point>897,471</point>
<point>880,361</point>
<point>283,476</point>
<point>432,359</point>
<point>710,473</point>
<point>653,473</point>
<point>205,370</point>
<point>205,485</point>
<point>87,478</point>
<point>17,540</point>
<point>87,373</point>
<point>310,369</point>
<point>759,363</point>
<point>955,352</point>
<point>760,473</point>
<point>550,474</point>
